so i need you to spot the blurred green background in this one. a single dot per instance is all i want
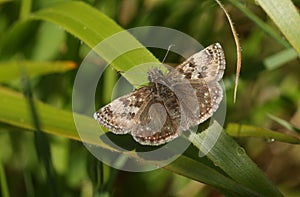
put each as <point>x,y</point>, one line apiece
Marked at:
<point>40,58</point>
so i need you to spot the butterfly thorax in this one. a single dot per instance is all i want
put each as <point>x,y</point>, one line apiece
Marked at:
<point>155,75</point>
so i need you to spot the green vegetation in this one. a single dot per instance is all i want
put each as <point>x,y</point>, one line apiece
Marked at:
<point>42,45</point>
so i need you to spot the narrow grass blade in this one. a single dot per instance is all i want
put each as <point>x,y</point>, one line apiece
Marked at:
<point>238,130</point>
<point>285,15</point>
<point>232,159</point>
<point>284,123</point>
<point>11,70</point>
<point>280,58</point>
<point>41,141</point>
<point>3,182</point>
<point>265,27</point>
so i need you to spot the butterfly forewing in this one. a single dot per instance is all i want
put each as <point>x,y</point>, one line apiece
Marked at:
<point>203,70</point>
<point>119,115</point>
<point>208,64</point>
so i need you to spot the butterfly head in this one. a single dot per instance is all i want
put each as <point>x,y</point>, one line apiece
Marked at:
<point>155,75</point>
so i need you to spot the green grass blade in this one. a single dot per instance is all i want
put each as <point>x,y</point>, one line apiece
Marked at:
<point>285,15</point>
<point>280,58</point>
<point>16,37</point>
<point>5,1</point>
<point>3,181</point>
<point>265,27</point>
<point>208,175</point>
<point>233,160</point>
<point>238,130</point>
<point>94,27</point>
<point>14,110</point>
<point>11,70</point>
<point>41,141</point>
<point>25,9</point>
<point>284,123</point>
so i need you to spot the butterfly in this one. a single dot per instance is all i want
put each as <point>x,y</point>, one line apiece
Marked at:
<point>172,103</point>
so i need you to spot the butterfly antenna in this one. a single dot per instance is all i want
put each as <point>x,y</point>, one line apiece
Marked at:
<point>171,45</point>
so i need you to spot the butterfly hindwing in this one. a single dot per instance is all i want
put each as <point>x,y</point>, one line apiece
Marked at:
<point>160,120</point>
